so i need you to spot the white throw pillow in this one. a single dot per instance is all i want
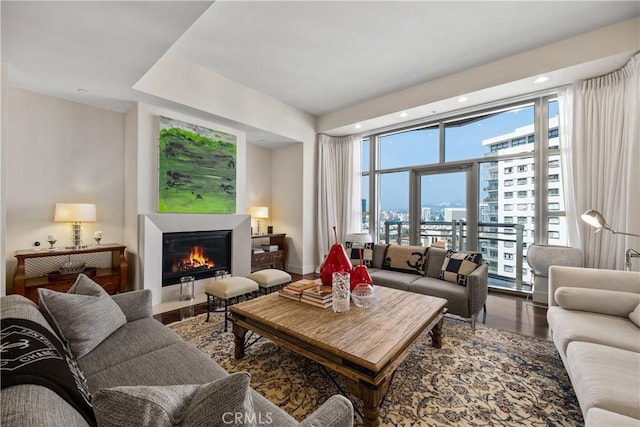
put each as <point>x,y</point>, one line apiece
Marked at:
<point>226,401</point>
<point>634,316</point>
<point>603,301</point>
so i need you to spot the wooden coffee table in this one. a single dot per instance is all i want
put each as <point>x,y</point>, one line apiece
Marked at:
<point>364,346</point>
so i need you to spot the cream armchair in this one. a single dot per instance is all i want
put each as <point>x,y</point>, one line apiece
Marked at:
<point>541,257</point>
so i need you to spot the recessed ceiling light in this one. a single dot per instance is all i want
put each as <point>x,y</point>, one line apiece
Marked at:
<point>463,99</point>
<point>404,114</point>
<point>358,125</point>
<point>541,79</point>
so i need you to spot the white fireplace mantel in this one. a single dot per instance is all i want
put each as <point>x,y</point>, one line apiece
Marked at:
<point>151,227</point>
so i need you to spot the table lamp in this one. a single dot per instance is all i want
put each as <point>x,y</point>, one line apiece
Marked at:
<point>595,219</point>
<point>76,214</point>
<point>259,212</point>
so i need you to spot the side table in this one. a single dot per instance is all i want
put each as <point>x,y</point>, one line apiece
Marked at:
<point>105,264</point>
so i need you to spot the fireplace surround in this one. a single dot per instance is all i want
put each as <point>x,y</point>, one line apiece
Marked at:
<point>152,227</point>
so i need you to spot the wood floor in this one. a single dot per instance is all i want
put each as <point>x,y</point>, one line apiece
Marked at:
<point>504,311</point>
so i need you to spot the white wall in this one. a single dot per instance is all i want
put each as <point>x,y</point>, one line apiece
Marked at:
<point>131,194</point>
<point>60,151</point>
<point>176,80</point>
<point>288,210</point>
<point>140,193</point>
<point>3,199</point>
<point>259,188</point>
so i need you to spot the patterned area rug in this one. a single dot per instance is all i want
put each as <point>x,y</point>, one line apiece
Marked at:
<point>487,379</point>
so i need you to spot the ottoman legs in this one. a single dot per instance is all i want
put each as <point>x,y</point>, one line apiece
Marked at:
<point>226,302</point>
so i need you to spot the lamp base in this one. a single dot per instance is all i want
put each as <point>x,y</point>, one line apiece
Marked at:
<point>76,236</point>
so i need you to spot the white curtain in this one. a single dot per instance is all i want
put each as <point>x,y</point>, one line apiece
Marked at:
<point>600,155</point>
<point>339,196</point>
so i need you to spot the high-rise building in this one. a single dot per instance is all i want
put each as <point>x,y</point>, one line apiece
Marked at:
<point>455,214</point>
<point>425,214</point>
<point>509,188</point>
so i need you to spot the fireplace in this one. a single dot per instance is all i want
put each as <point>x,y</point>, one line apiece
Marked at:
<point>200,254</point>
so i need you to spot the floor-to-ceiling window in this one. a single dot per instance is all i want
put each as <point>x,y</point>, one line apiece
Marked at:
<point>486,180</point>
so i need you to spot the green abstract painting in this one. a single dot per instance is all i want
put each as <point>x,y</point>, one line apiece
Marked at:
<point>197,169</point>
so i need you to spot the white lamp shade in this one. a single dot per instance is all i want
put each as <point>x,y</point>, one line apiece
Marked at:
<point>594,218</point>
<point>259,212</point>
<point>75,212</point>
<point>359,238</point>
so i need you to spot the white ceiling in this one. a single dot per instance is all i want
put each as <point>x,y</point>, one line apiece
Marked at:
<point>317,56</point>
<point>323,56</point>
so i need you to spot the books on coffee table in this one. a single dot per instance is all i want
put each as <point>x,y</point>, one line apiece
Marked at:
<point>294,290</point>
<point>301,285</point>
<point>319,296</point>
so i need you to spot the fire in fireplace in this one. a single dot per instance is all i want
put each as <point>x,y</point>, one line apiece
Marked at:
<point>197,253</point>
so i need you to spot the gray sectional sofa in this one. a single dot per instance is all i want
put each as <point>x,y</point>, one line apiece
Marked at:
<point>141,352</point>
<point>465,301</point>
<point>594,319</point>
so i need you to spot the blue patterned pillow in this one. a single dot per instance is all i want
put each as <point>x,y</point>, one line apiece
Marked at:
<point>458,265</point>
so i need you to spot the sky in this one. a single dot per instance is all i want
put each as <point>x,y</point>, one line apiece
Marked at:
<point>461,142</point>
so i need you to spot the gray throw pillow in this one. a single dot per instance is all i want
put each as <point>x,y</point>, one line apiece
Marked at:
<point>84,316</point>
<point>225,402</point>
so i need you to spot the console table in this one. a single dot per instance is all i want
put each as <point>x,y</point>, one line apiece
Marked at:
<point>270,259</point>
<point>105,264</point>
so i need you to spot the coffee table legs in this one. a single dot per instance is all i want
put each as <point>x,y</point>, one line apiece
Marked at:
<point>371,398</point>
<point>436,334</point>
<point>239,332</point>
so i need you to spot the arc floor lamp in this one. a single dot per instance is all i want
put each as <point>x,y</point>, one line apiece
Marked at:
<point>595,219</point>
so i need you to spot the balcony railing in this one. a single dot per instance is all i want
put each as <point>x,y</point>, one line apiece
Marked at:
<point>452,235</point>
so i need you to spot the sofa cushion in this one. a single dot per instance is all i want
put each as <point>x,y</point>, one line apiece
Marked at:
<point>174,364</point>
<point>456,296</point>
<point>597,417</point>
<point>613,303</point>
<point>458,265</point>
<point>354,249</point>
<point>379,251</point>
<point>224,401</point>
<point>571,325</point>
<point>392,279</point>
<point>84,316</point>
<point>605,377</point>
<point>634,316</point>
<point>178,363</point>
<point>129,342</point>
<point>405,259</point>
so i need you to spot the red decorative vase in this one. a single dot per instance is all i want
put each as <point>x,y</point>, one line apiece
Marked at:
<point>337,260</point>
<point>360,274</point>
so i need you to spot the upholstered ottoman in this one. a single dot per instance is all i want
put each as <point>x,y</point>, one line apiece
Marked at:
<point>229,291</point>
<point>270,279</point>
